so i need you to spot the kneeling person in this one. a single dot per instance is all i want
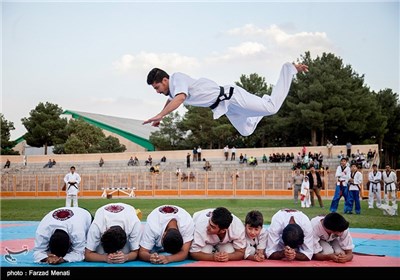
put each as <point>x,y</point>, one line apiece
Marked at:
<point>114,235</point>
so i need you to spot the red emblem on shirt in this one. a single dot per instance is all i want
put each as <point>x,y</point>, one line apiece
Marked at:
<point>63,214</point>
<point>113,208</point>
<point>289,210</point>
<point>168,209</point>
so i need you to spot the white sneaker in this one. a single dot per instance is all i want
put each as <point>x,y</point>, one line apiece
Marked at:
<point>370,207</point>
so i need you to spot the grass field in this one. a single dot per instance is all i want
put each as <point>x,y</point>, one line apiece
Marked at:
<point>35,209</point>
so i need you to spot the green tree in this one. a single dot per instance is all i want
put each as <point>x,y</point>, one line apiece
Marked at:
<point>7,145</point>
<point>329,100</point>
<point>111,144</point>
<point>389,136</point>
<point>85,138</point>
<point>45,126</point>
<point>169,137</point>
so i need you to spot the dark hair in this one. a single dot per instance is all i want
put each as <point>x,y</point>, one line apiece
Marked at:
<point>172,241</point>
<point>293,236</point>
<point>222,217</point>
<point>254,219</point>
<point>335,222</point>
<point>113,239</point>
<point>156,75</point>
<point>59,243</point>
<point>374,165</point>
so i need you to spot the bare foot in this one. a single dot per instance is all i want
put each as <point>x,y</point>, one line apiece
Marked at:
<point>301,67</point>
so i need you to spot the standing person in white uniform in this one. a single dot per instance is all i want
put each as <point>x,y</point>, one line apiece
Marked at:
<point>389,191</point>
<point>114,234</point>
<point>169,229</point>
<point>374,179</point>
<point>305,196</point>
<point>219,236</point>
<point>290,236</point>
<point>342,179</point>
<point>243,109</point>
<point>355,184</point>
<point>61,236</point>
<point>332,239</point>
<point>72,181</point>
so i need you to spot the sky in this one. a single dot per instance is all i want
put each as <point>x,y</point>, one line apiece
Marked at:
<point>94,56</point>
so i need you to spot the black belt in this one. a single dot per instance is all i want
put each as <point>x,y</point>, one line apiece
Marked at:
<point>72,185</point>
<point>222,96</point>
<point>387,184</point>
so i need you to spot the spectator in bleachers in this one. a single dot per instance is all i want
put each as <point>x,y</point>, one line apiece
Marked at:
<point>207,166</point>
<point>198,153</point>
<point>101,162</point>
<point>245,159</point>
<point>8,163</point>
<point>155,169</point>
<point>370,155</point>
<point>195,154</point>
<point>264,159</point>
<point>241,157</point>
<point>163,159</point>
<point>191,176</point>
<point>131,162</point>
<point>233,153</point>
<point>54,162</point>
<point>149,161</point>
<point>49,164</point>
<point>226,152</point>
<point>253,161</point>
<point>188,160</point>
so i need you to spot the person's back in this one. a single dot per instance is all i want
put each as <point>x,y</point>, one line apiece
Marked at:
<point>62,233</point>
<point>168,228</point>
<point>290,234</point>
<point>114,235</point>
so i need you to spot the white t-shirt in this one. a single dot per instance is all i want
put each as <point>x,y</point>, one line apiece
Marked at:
<point>235,233</point>
<point>260,242</point>
<point>278,222</point>
<point>115,214</point>
<point>73,220</point>
<point>157,221</point>
<point>345,240</point>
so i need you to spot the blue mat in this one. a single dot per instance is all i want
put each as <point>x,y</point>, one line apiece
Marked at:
<point>26,230</point>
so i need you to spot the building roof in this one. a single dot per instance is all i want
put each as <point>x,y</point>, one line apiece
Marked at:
<point>130,129</point>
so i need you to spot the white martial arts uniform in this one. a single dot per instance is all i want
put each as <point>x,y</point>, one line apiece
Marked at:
<point>278,222</point>
<point>258,243</point>
<point>72,189</point>
<point>243,109</point>
<point>115,214</point>
<point>305,193</point>
<point>157,221</point>
<point>374,189</point>
<point>389,187</point>
<point>202,242</point>
<point>325,243</point>
<point>73,220</point>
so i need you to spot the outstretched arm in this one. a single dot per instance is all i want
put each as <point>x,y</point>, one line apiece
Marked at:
<point>170,106</point>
